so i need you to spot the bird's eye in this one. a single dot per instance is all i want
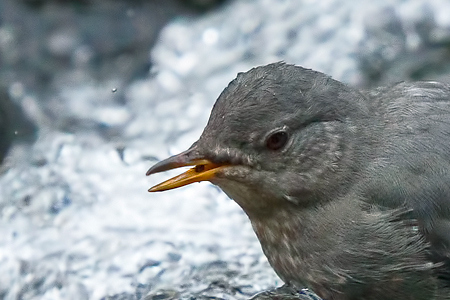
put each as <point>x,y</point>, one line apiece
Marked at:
<point>277,140</point>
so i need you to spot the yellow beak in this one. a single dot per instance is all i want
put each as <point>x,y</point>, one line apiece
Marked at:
<point>204,170</point>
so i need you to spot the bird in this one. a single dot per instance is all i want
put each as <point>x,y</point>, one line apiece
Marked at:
<point>347,190</point>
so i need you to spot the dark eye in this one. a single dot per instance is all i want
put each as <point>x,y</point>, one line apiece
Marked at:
<point>277,140</point>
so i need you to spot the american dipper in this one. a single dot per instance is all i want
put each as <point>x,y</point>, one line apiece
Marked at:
<point>348,191</point>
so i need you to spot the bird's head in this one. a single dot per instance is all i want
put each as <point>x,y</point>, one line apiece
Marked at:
<point>278,135</point>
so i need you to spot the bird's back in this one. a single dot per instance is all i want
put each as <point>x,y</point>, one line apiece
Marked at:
<point>412,164</point>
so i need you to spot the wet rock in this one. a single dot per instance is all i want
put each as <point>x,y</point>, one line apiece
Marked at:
<point>15,126</point>
<point>396,48</point>
<point>287,292</point>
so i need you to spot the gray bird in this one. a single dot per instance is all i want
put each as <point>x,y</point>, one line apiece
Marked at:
<point>348,191</point>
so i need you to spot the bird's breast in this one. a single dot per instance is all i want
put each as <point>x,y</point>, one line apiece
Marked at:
<point>299,248</point>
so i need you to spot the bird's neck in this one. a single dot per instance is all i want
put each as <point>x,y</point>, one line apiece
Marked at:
<point>299,242</point>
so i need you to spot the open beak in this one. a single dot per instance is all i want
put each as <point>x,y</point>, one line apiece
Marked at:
<point>204,170</point>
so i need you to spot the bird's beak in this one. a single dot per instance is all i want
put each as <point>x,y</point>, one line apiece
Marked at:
<point>203,170</point>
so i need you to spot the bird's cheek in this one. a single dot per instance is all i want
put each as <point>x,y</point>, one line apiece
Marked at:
<point>232,173</point>
<point>296,189</point>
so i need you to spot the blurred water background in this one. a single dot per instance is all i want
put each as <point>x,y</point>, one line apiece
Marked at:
<point>93,92</point>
